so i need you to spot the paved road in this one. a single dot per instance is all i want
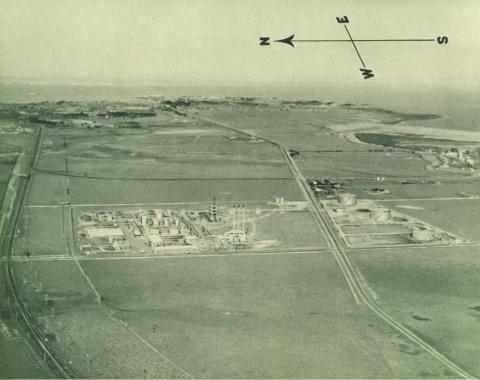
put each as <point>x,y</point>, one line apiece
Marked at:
<point>359,292</point>
<point>114,257</point>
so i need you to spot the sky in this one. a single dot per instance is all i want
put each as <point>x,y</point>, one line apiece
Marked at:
<point>217,41</point>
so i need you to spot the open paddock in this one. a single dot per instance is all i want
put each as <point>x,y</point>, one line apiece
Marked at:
<point>47,189</point>
<point>6,167</point>
<point>461,216</point>
<point>293,229</point>
<point>271,316</point>
<point>186,166</point>
<point>101,191</point>
<point>155,156</point>
<point>360,241</point>
<point>41,232</point>
<point>419,190</point>
<point>389,228</point>
<point>300,129</point>
<point>362,165</point>
<point>434,291</point>
<point>80,329</point>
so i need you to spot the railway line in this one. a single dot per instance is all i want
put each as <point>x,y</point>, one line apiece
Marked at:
<point>18,307</point>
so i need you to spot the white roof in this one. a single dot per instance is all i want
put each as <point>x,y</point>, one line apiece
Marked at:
<point>95,233</point>
<point>155,239</point>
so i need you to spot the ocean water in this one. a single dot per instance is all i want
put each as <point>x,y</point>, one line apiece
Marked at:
<point>459,105</point>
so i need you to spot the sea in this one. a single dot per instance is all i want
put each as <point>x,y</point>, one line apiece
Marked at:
<point>458,104</point>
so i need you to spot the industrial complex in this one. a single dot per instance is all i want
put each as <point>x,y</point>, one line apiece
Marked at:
<point>163,230</point>
<point>364,223</point>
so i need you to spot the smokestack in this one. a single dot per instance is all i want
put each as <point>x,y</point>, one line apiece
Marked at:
<point>234,215</point>
<point>243,217</point>
<point>237,215</point>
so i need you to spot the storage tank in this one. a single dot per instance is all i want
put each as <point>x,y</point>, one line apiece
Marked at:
<point>422,234</point>
<point>158,214</point>
<point>347,199</point>
<point>380,215</point>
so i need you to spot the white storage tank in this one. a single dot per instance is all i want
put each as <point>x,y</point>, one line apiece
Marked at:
<point>380,215</point>
<point>158,214</point>
<point>422,234</point>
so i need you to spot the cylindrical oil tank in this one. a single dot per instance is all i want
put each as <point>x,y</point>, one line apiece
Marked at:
<point>380,215</point>
<point>422,234</point>
<point>346,199</point>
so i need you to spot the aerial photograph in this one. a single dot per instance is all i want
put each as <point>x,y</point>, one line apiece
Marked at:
<point>220,189</point>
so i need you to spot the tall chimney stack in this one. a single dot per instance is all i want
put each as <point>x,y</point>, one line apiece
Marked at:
<point>243,218</point>
<point>234,216</point>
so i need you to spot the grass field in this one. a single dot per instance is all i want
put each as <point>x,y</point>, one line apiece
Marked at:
<point>375,228</point>
<point>6,167</point>
<point>274,316</point>
<point>46,189</point>
<point>202,164</point>
<point>417,190</point>
<point>41,232</point>
<point>271,316</point>
<point>153,154</point>
<point>460,217</point>
<point>85,190</point>
<point>433,291</point>
<point>13,348</point>
<point>294,129</point>
<point>80,330</point>
<point>278,226</point>
<point>362,164</point>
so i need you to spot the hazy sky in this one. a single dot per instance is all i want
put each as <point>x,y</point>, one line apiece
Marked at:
<point>217,42</point>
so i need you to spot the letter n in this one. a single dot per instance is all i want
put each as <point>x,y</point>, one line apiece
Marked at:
<point>367,73</point>
<point>264,41</point>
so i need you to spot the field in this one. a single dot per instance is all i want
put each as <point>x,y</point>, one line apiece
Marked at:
<point>41,232</point>
<point>418,190</point>
<point>271,316</point>
<point>363,165</point>
<point>6,167</point>
<point>413,142</point>
<point>153,166</point>
<point>14,349</point>
<point>434,291</point>
<point>278,226</point>
<point>47,189</point>
<point>295,129</point>
<point>101,191</point>
<point>462,220</point>
<point>81,330</point>
<point>155,154</point>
